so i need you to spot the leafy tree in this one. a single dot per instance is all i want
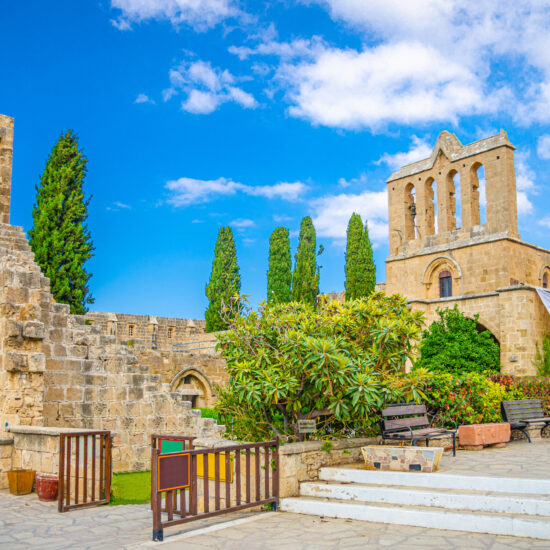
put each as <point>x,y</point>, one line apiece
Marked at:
<point>452,344</point>
<point>59,237</point>
<point>224,284</point>
<point>305,279</point>
<point>279,275</point>
<point>338,363</point>
<point>366,252</point>
<point>360,271</point>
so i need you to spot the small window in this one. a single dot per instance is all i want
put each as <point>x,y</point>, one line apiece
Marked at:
<point>545,280</point>
<point>131,330</point>
<point>445,284</point>
<point>170,332</point>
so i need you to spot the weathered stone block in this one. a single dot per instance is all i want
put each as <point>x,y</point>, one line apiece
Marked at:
<point>37,362</point>
<point>15,362</point>
<point>34,330</point>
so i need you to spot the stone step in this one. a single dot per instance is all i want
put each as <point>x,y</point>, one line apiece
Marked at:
<point>507,503</point>
<point>517,525</point>
<point>438,480</point>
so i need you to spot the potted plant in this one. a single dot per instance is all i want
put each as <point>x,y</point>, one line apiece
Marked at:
<point>21,481</point>
<point>47,486</point>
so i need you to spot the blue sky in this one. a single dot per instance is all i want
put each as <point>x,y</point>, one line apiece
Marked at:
<point>197,114</point>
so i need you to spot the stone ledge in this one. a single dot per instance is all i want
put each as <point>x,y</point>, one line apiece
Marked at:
<point>46,430</point>
<point>312,446</point>
<point>6,440</point>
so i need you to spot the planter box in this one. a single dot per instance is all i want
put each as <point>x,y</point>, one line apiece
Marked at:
<point>402,459</point>
<point>476,436</point>
<point>21,481</point>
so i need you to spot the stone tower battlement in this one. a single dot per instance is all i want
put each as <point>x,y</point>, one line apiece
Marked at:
<point>6,153</point>
<point>423,196</point>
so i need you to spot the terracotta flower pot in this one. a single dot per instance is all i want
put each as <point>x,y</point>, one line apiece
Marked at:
<point>46,487</point>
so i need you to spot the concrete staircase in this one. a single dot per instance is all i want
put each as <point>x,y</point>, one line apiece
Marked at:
<point>502,506</point>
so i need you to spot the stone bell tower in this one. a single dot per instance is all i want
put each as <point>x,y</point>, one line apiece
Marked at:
<point>6,152</point>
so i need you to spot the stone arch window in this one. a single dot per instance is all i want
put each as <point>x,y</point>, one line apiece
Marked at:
<point>430,191</point>
<point>453,203</point>
<point>478,194</point>
<point>410,212</point>
<point>445,284</point>
<point>131,330</point>
<point>545,280</point>
<point>170,332</point>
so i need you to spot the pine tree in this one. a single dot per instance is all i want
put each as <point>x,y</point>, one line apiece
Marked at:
<point>225,282</point>
<point>59,237</point>
<point>360,270</point>
<point>366,253</point>
<point>279,275</point>
<point>305,279</point>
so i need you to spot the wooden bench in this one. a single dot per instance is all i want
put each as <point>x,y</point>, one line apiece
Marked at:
<point>405,422</point>
<point>522,412</point>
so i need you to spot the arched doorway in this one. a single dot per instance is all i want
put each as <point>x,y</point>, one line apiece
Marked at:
<point>194,386</point>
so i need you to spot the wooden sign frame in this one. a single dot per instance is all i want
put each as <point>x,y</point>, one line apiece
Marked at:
<point>169,456</point>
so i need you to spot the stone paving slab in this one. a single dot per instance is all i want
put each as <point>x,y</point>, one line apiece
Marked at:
<point>300,532</point>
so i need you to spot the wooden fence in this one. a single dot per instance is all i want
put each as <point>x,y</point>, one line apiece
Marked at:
<point>84,469</point>
<point>220,480</point>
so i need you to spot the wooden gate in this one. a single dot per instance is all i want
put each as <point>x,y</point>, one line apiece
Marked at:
<point>201,483</point>
<point>84,469</point>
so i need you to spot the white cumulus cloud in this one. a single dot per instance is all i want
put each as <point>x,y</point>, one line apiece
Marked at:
<point>241,223</point>
<point>199,14</point>
<point>143,98</point>
<point>331,214</point>
<point>420,149</point>
<point>206,88</point>
<point>185,191</point>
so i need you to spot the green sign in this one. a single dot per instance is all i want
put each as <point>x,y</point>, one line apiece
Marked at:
<point>170,446</point>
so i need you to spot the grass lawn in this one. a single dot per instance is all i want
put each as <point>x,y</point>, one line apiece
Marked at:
<point>131,488</point>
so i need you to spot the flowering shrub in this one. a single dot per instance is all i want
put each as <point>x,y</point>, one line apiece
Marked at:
<point>530,387</point>
<point>466,399</point>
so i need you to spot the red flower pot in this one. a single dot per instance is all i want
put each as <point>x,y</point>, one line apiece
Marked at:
<point>46,487</point>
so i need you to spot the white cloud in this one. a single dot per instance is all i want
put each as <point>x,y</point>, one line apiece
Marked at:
<point>525,178</point>
<point>281,218</point>
<point>543,147</point>
<point>143,98</point>
<point>117,205</point>
<point>332,214</point>
<point>545,222</point>
<point>302,47</point>
<point>484,37</point>
<point>241,223</point>
<point>186,191</point>
<point>361,180</point>
<point>405,82</point>
<point>525,206</point>
<point>284,190</point>
<point>206,88</point>
<point>199,14</point>
<point>420,149</point>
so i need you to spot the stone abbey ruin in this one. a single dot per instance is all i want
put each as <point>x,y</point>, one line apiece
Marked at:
<point>136,375</point>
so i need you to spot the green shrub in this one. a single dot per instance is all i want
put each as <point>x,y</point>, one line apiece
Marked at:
<point>453,345</point>
<point>337,363</point>
<point>542,361</point>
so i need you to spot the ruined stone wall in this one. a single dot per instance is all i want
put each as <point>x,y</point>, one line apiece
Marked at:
<point>148,331</point>
<point>6,151</point>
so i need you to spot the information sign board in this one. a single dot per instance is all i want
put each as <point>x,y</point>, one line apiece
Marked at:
<point>174,471</point>
<point>306,426</point>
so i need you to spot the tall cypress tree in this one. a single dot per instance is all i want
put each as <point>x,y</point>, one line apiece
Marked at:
<point>305,279</point>
<point>225,281</point>
<point>360,270</point>
<point>356,270</point>
<point>366,253</point>
<point>59,237</point>
<point>279,275</point>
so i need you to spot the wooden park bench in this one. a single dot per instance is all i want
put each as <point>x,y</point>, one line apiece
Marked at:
<point>522,412</point>
<point>406,422</point>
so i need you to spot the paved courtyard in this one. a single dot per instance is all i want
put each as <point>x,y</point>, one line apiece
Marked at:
<point>26,522</point>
